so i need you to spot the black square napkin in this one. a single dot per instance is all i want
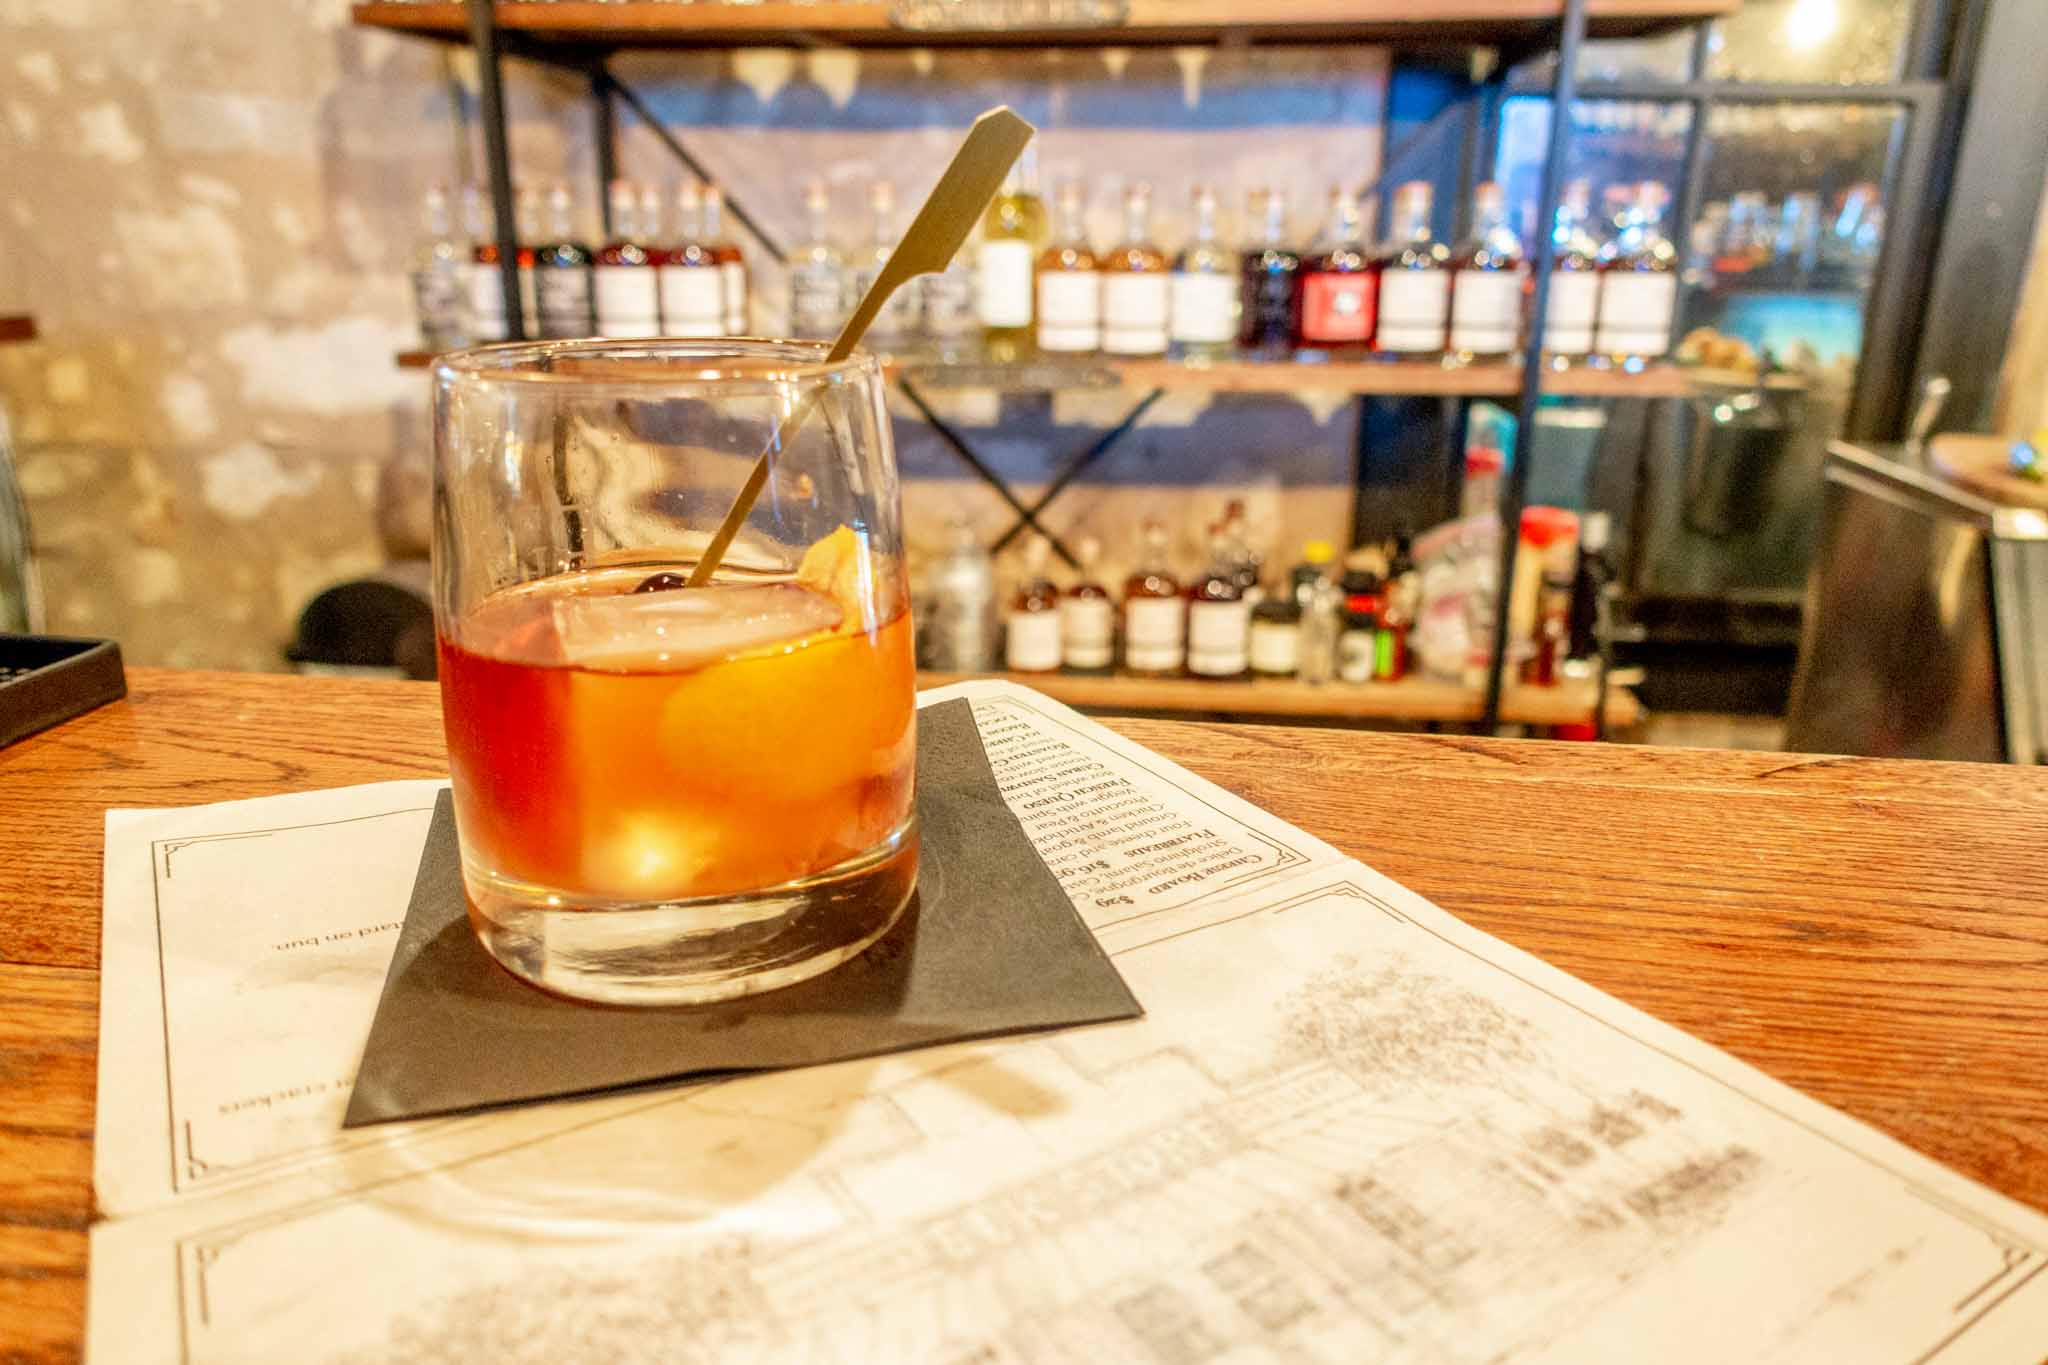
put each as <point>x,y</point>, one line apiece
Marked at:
<point>990,945</point>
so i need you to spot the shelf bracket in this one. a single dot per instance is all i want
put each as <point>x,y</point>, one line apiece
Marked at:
<point>1077,466</point>
<point>1027,516</point>
<point>681,153</point>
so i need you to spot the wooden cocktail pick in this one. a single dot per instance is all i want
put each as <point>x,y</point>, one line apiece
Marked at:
<point>935,236</point>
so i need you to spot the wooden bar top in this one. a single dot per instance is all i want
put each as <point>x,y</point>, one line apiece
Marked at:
<point>1874,933</point>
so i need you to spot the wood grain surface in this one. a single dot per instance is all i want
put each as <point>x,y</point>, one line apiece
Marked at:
<point>1874,933</point>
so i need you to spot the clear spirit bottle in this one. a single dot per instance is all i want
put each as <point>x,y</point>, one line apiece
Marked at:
<point>439,283</point>
<point>1639,286</point>
<point>1012,231</point>
<point>1203,301</point>
<point>895,327</point>
<point>817,273</point>
<point>1574,279</point>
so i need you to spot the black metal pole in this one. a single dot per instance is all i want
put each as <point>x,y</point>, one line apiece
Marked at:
<point>607,138</point>
<point>988,475</point>
<point>1541,261</point>
<point>682,154</point>
<point>483,35</point>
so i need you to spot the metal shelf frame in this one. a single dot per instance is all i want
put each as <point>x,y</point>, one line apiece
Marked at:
<point>1475,117</point>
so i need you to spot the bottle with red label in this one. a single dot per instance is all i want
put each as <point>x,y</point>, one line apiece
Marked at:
<point>1339,285</point>
<point>1415,282</point>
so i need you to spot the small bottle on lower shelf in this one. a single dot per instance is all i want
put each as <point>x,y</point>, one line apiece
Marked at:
<point>1219,619</point>
<point>1087,617</point>
<point>1155,615</point>
<point>1356,645</point>
<point>1031,629</point>
<point>1276,638</point>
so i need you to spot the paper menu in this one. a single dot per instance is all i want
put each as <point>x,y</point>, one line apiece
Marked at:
<point>1350,1128</point>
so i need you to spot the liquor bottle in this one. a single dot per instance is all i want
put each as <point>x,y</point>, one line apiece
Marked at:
<point>1135,293</point>
<point>1271,280</point>
<point>1322,608</point>
<point>963,612</point>
<point>1202,313</point>
<point>1012,231</point>
<point>1247,566</point>
<point>1487,282</point>
<point>1069,294</point>
<point>1219,619</point>
<point>628,298</point>
<point>562,273</point>
<point>1639,286</point>
<point>438,283</point>
<point>1415,281</point>
<point>1087,617</point>
<point>817,273</point>
<point>1588,583</point>
<point>732,263</point>
<point>691,284</point>
<point>1339,287</point>
<point>487,320</point>
<point>1155,616</point>
<point>1574,279</point>
<point>1031,628</point>
<point>895,327</point>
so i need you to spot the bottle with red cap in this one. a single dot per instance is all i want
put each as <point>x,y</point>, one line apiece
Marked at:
<point>1547,555</point>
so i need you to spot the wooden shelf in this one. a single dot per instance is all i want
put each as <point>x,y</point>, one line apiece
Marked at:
<point>777,23</point>
<point>1486,380</point>
<point>1415,700</point>
<point>16,327</point>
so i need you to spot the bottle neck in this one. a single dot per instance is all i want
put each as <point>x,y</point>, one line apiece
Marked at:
<point>1411,221</point>
<point>885,225</point>
<point>1491,219</point>
<point>713,216</point>
<point>1273,231</point>
<point>559,225</point>
<point>1205,222</point>
<point>820,214</point>
<point>625,218</point>
<point>1073,222</point>
<point>1137,219</point>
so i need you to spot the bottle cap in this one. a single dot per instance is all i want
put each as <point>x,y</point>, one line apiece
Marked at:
<point>1319,552</point>
<point>1277,610</point>
<point>1543,527</point>
<point>1483,460</point>
<point>1594,530</point>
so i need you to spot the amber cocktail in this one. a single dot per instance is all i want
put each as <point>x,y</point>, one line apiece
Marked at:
<point>666,793</point>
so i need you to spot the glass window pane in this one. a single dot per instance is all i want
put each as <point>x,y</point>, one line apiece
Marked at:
<point>1613,142</point>
<point>1850,42</point>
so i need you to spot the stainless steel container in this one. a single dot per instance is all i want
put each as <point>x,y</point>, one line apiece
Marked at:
<point>1926,629</point>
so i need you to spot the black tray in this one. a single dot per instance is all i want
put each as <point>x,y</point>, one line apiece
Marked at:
<point>47,679</point>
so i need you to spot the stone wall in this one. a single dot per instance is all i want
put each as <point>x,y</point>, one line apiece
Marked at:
<point>209,207</point>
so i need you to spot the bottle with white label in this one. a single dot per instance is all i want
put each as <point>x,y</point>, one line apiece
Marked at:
<point>1087,617</point>
<point>628,295</point>
<point>562,283</point>
<point>1203,299</point>
<point>960,634</point>
<point>1136,295</point>
<point>945,305</point>
<point>1219,619</point>
<point>1639,286</point>
<point>732,263</point>
<point>1031,627</point>
<point>1415,282</point>
<point>1069,293</point>
<point>486,312</point>
<point>817,273</point>
<point>895,327</point>
<point>1012,231</point>
<point>1574,280</point>
<point>692,286</point>
<point>439,275</point>
<point>1488,283</point>
<point>1155,614</point>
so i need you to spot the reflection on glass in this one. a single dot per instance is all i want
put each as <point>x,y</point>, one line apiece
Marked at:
<point>1613,143</point>
<point>1666,57</point>
<point>1853,42</point>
